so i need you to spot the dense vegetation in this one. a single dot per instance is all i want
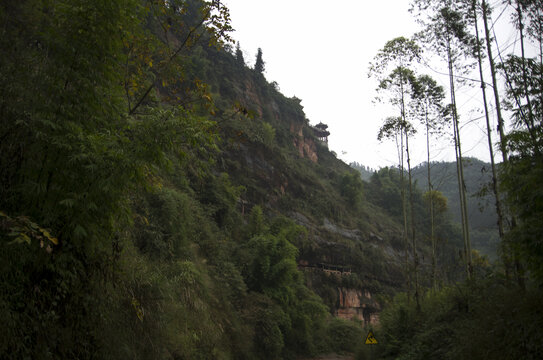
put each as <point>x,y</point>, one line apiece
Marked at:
<point>121,236</point>
<point>496,312</point>
<point>480,203</point>
<point>149,179</point>
<point>159,199</point>
<point>481,209</point>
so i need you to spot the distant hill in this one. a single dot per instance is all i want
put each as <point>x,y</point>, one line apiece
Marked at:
<point>477,176</point>
<point>481,210</point>
<point>365,171</point>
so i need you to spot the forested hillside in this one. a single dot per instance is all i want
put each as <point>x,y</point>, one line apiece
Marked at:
<point>160,199</point>
<point>474,318</point>
<point>481,205</point>
<point>365,171</point>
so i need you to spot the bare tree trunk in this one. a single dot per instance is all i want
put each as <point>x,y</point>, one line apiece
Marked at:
<point>414,241</point>
<point>495,189</point>
<point>524,71</point>
<point>404,213</point>
<point>501,126</point>
<point>505,247</point>
<point>400,148</point>
<point>459,168</point>
<point>412,218</point>
<point>431,204</point>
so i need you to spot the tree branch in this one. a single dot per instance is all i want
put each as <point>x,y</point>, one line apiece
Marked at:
<point>173,56</point>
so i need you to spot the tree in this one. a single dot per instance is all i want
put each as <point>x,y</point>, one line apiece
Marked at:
<point>428,108</point>
<point>396,56</point>
<point>520,22</point>
<point>151,63</point>
<point>445,32</point>
<point>395,127</point>
<point>259,63</point>
<point>351,188</point>
<point>495,189</point>
<point>239,55</point>
<point>525,164</point>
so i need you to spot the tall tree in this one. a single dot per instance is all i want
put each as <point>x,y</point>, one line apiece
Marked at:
<point>445,32</point>
<point>523,171</point>
<point>259,63</point>
<point>392,128</point>
<point>523,98</point>
<point>495,189</point>
<point>427,106</point>
<point>391,66</point>
<point>239,55</point>
<point>521,8</point>
<point>505,247</point>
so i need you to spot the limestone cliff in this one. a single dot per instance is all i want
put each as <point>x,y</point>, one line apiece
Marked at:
<point>358,304</point>
<point>272,152</point>
<point>306,146</point>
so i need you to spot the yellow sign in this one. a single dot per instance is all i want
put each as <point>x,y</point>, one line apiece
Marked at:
<point>370,339</point>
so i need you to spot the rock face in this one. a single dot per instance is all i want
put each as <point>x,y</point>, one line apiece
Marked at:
<point>337,257</point>
<point>306,147</point>
<point>334,256</point>
<point>356,303</point>
<point>251,98</point>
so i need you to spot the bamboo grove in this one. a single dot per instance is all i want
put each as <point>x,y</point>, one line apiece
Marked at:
<point>460,35</point>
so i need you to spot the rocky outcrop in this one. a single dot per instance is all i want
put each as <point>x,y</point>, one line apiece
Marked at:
<point>346,233</point>
<point>251,98</point>
<point>306,146</point>
<point>356,303</point>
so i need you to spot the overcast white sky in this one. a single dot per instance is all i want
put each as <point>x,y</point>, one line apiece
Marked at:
<point>319,51</point>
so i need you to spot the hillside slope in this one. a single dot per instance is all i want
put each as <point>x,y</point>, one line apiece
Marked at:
<point>481,208</point>
<point>161,200</point>
<point>271,150</point>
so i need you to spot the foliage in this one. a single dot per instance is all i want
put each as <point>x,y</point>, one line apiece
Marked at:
<point>351,189</point>
<point>445,28</point>
<point>239,55</point>
<point>521,179</point>
<point>344,335</point>
<point>524,100</point>
<point>365,171</point>
<point>387,180</point>
<point>398,52</point>
<point>437,198</point>
<point>428,103</point>
<point>130,152</point>
<point>482,214</point>
<point>384,190</point>
<point>458,322</point>
<point>259,63</point>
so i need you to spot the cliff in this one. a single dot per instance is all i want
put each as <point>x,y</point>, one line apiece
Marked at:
<point>283,167</point>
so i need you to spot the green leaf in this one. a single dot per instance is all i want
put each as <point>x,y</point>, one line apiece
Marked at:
<point>22,238</point>
<point>51,238</point>
<point>80,231</point>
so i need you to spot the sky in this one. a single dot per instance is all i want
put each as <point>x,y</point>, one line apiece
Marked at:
<point>319,51</point>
